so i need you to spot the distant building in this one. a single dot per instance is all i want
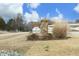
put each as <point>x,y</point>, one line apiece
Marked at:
<point>36,30</point>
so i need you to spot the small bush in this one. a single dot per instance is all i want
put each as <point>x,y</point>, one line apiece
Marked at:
<point>33,37</point>
<point>60,29</point>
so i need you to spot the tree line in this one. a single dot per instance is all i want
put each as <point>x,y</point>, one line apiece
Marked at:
<point>18,24</point>
<point>15,24</point>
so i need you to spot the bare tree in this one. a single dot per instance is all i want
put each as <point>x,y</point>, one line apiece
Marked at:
<point>19,22</point>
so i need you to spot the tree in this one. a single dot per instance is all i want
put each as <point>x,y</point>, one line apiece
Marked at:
<point>77,21</point>
<point>19,22</point>
<point>2,24</point>
<point>29,26</point>
<point>11,25</point>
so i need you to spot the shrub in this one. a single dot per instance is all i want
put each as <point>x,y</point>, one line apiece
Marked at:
<point>33,37</point>
<point>60,29</point>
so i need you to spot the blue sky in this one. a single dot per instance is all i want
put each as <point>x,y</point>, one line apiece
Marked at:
<point>37,11</point>
<point>68,10</point>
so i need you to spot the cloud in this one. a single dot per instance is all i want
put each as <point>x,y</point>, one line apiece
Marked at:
<point>57,11</point>
<point>33,5</point>
<point>59,16</point>
<point>77,8</point>
<point>42,18</point>
<point>48,15</point>
<point>33,16</point>
<point>27,17</point>
<point>10,10</point>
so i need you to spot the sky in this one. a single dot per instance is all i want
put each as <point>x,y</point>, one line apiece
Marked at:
<point>37,11</point>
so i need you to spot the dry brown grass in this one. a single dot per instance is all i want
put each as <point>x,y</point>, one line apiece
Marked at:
<point>55,47</point>
<point>68,46</point>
